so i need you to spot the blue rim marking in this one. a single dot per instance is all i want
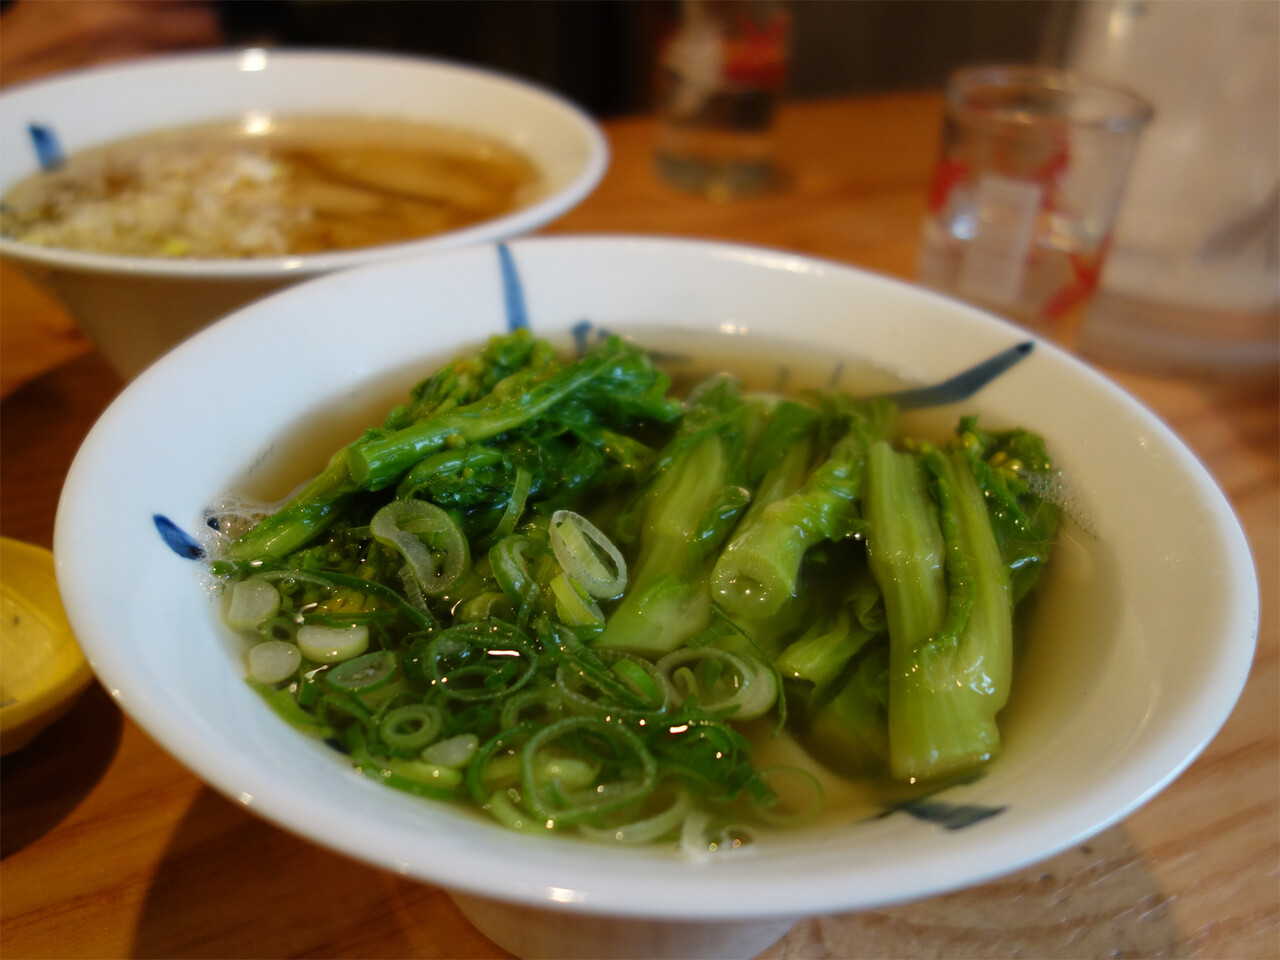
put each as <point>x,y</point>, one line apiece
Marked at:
<point>512,291</point>
<point>952,816</point>
<point>963,385</point>
<point>48,149</point>
<point>177,539</point>
<point>836,373</point>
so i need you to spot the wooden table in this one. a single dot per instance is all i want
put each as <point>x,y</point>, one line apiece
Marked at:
<point>111,849</point>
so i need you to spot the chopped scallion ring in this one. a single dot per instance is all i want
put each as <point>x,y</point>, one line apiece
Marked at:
<point>504,810</point>
<point>587,556</point>
<point>431,542</point>
<point>410,728</point>
<point>454,752</point>
<point>510,558</point>
<point>253,602</point>
<point>635,771</point>
<point>646,829</point>
<point>520,488</point>
<point>332,644</point>
<point>487,604</point>
<point>482,777</point>
<point>640,679</point>
<point>430,775</point>
<point>573,605</point>
<point>720,680</point>
<point>542,702</point>
<point>797,796</point>
<point>277,628</point>
<point>274,660</point>
<point>479,661</point>
<point>633,691</point>
<point>364,673</point>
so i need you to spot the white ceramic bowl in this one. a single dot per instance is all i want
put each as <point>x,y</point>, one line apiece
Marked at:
<point>1146,630</point>
<point>134,308</point>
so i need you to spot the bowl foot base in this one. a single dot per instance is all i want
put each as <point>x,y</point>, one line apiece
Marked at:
<point>532,933</point>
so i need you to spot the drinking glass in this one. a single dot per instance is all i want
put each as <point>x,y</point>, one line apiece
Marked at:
<point>1026,189</point>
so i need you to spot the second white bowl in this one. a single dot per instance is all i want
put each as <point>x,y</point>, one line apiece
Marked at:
<point>134,308</point>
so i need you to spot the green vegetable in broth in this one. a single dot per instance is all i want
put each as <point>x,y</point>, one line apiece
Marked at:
<point>757,574</point>
<point>513,385</point>
<point>554,591</point>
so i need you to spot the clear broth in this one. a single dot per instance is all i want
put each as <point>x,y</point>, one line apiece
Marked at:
<point>1063,629</point>
<point>266,186</point>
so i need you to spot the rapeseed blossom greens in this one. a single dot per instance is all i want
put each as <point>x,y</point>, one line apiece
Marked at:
<point>552,589</point>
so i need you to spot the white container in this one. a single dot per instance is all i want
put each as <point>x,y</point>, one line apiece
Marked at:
<point>1167,592</point>
<point>1193,279</point>
<point>135,308</point>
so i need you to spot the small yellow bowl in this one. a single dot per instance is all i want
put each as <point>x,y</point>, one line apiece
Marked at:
<point>42,670</point>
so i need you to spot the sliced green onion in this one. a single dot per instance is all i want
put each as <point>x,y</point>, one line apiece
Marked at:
<point>486,605</point>
<point>349,705</point>
<point>332,580</point>
<point>309,685</point>
<point>797,796</point>
<point>720,680</point>
<point>568,773</point>
<point>587,556</point>
<point>454,752</point>
<point>520,488</point>
<point>510,558</point>
<point>500,770</point>
<point>412,776</point>
<point>409,728</point>
<point>389,695</point>
<point>431,542</point>
<point>253,601</point>
<point>274,660</point>
<point>645,830</point>
<point>573,605</point>
<point>402,775</point>
<point>479,661</point>
<point>507,744</point>
<point>332,644</point>
<point>591,739</point>
<point>635,691</point>
<point>413,592</point>
<point>428,774</point>
<point>281,701</point>
<point>710,753</point>
<point>504,810</point>
<point>367,672</point>
<point>277,628</point>
<point>640,678</point>
<point>546,701</point>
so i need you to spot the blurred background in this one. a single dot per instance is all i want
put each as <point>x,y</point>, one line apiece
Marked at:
<point>599,53</point>
<point>1200,226</point>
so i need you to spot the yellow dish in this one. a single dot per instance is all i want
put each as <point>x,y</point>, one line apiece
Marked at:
<point>42,670</point>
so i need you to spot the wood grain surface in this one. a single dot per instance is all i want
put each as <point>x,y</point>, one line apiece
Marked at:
<point>112,849</point>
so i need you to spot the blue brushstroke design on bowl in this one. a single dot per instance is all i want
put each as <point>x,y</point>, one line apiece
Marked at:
<point>512,290</point>
<point>177,539</point>
<point>48,148</point>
